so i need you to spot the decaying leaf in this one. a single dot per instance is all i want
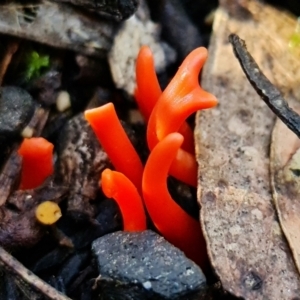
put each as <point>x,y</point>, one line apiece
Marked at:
<point>285,154</point>
<point>245,243</point>
<point>57,25</point>
<point>285,175</point>
<point>117,10</point>
<point>267,91</point>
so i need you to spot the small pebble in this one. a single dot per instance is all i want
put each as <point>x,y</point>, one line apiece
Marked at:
<point>63,101</point>
<point>16,109</point>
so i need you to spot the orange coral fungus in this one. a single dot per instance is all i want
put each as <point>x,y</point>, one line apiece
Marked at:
<point>182,97</point>
<point>117,186</point>
<point>115,142</point>
<point>148,89</point>
<point>184,168</point>
<point>170,219</point>
<point>37,162</point>
<point>148,92</point>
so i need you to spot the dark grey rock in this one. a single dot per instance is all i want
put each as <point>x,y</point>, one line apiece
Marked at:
<point>16,109</point>
<point>143,265</point>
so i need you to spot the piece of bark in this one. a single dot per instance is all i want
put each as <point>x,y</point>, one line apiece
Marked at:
<point>80,161</point>
<point>58,25</point>
<point>117,10</point>
<point>245,243</point>
<point>6,53</point>
<point>10,176</point>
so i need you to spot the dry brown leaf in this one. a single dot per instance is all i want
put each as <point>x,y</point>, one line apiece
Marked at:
<point>285,174</point>
<point>57,25</point>
<point>245,243</point>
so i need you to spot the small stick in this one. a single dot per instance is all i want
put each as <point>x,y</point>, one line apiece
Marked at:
<point>27,280</point>
<point>265,89</point>
<point>12,48</point>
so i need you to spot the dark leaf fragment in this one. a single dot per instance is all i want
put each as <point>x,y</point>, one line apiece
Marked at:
<point>117,9</point>
<point>267,91</point>
<point>57,25</point>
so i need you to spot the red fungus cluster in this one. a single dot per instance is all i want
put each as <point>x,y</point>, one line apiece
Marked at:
<point>37,162</point>
<point>170,141</point>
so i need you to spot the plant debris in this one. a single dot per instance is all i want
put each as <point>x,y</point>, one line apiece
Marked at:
<point>57,25</point>
<point>285,159</point>
<point>35,287</point>
<point>117,10</point>
<point>245,243</point>
<point>268,92</point>
<point>80,161</point>
<point>285,166</point>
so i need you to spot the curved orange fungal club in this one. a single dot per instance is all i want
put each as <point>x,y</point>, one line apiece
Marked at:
<point>182,97</point>
<point>148,88</point>
<point>115,142</point>
<point>117,186</point>
<point>37,161</point>
<point>184,167</point>
<point>178,227</point>
<point>148,92</point>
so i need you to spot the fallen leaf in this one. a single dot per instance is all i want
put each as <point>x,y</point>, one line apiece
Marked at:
<point>245,243</point>
<point>285,176</point>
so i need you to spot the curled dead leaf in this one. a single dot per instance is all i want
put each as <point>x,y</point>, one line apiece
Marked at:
<point>245,242</point>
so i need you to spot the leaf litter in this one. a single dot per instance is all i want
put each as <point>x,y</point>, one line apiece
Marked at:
<point>284,155</point>
<point>245,242</point>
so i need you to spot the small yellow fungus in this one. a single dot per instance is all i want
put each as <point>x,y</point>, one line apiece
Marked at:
<point>48,212</point>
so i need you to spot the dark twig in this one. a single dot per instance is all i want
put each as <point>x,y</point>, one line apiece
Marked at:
<point>267,91</point>
<point>34,287</point>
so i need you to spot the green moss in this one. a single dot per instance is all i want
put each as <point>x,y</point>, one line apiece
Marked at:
<point>35,63</point>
